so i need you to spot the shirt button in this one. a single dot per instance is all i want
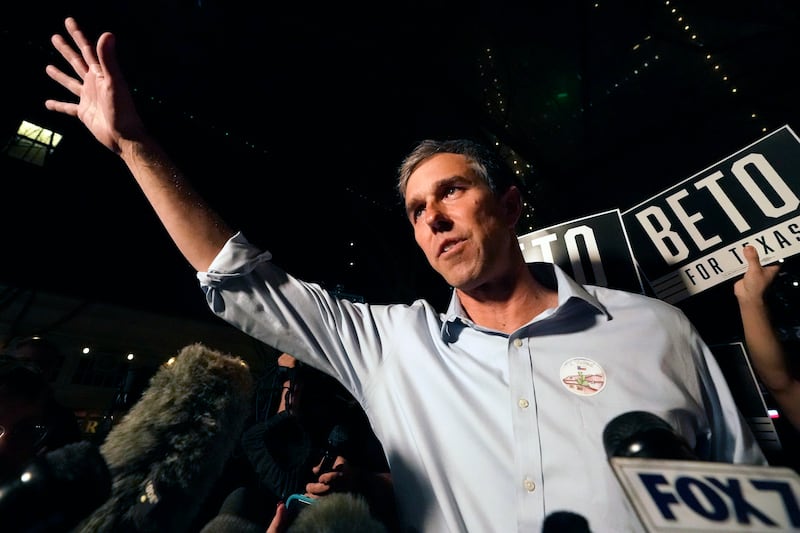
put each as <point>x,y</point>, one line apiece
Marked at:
<point>523,403</point>
<point>530,486</point>
<point>517,342</point>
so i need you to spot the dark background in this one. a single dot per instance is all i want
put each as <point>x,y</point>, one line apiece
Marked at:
<point>291,119</point>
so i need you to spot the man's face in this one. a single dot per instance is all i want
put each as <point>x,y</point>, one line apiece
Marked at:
<point>462,228</point>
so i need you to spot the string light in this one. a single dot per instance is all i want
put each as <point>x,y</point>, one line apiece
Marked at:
<point>715,65</point>
<point>493,91</point>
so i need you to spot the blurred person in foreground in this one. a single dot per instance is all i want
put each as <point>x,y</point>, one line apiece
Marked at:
<point>765,349</point>
<point>23,408</point>
<point>43,356</point>
<point>491,413</point>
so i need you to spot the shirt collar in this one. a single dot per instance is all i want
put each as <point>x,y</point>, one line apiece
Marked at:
<point>549,275</point>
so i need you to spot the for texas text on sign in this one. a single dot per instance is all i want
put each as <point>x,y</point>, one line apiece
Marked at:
<point>689,238</point>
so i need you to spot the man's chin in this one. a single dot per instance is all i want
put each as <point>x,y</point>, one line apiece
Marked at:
<point>461,282</point>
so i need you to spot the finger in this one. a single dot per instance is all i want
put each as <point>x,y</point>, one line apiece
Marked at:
<point>68,82</point>
<point>83,44</point>
<point>751,255</point>
<point>317,489</point>
<point>106,52</point>
<point>329,478</point>
<point>68,53</point>
<point>62,107</point>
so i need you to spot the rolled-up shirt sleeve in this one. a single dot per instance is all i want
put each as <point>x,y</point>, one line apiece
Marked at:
<point>246,289</point>
<point>236,259</point>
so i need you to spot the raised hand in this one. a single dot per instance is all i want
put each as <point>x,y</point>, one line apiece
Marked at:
<point>763,345</point>
<point>752,285</point>
<point>105,105</point>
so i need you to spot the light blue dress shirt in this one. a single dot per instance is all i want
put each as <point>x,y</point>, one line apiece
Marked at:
<point>485,431</point>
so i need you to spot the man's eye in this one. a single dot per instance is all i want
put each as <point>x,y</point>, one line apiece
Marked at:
<point>417,213</point>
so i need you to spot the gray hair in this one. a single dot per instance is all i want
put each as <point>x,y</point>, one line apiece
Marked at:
<point>486,164</point>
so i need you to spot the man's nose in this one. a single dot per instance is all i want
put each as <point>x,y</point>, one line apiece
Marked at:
<point>436,218</point>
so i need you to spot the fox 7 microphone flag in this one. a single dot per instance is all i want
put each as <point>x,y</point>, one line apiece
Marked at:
<point>680,495</point>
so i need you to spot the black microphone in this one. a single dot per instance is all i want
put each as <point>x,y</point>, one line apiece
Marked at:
<point>565,522</point>
<point>56,490</point>
<point>338,441</point>
<point>671,488</point>
<point>644,435</point>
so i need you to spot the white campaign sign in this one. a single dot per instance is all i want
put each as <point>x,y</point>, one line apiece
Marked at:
<point>592,249</point>
<point>689,238</point>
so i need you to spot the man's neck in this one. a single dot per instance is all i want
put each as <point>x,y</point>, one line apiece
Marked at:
<point>506,306</point>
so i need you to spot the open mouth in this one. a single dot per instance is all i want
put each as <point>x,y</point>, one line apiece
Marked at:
<point>449,246</point>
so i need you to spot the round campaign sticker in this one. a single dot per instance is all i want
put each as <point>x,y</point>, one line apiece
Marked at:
<point>582,376</point>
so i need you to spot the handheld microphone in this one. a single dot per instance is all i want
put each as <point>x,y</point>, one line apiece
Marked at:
<point>672,490</point>
<point>565,522</point>
<point>338,441</point>
<point>645,435</point>
<point>56,490</point>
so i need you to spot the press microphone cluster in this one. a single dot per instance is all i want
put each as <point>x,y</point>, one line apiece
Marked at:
<point>55,491</point>
<point>672,489</point>
<point>154,469</point>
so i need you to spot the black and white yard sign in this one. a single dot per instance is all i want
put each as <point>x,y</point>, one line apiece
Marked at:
<point>689,238</point>
<point>592,249</point>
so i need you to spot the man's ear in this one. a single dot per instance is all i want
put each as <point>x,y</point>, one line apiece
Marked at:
<point>511,204</point>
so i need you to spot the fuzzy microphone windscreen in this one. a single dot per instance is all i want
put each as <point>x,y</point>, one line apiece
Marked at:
<point>340,512</point>
<point>171,447</point>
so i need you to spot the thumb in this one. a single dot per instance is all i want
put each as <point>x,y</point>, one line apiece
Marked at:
<point>751,256</point>
<point>107,54</point>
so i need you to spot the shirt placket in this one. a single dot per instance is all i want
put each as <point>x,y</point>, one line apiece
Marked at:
<point>527,446</point>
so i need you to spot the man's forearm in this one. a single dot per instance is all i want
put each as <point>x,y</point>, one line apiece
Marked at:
<point>197,230</point>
